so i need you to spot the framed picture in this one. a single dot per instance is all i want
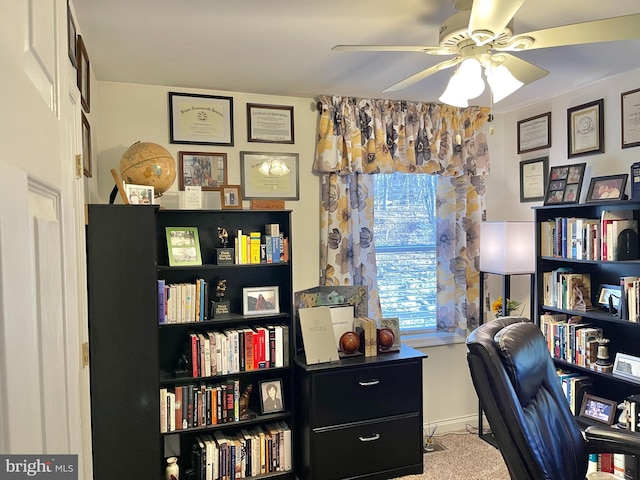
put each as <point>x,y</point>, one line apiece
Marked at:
<point>83,77</point>
<point>269,175</point>
<point>607,188</point>
<point>230,197</point>
<point>598,409</point>
<point>534,133</point>
<point>271,400</point>
<point>585,126</point>
<point>630,107</point>
<point>183,246</point>
<point>564,184</point>
<point>202,169</point>
<point>200,119</point>
<point>260,300</point>
<point>139,194</point>
<point>86,146</point>
<point>269,123</point>
<point>627,366</point>
<point>72,44</point>
<point>534,175</point>
<point>609,292</point>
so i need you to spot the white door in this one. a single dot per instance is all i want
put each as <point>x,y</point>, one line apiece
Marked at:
<point>43,386</point>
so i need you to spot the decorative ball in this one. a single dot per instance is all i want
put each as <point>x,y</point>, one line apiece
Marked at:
<point>150,164</point>
<point>349,342</point>
<point>385,338</point>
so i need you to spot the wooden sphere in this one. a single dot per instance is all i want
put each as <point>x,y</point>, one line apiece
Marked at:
<point>349,342</point>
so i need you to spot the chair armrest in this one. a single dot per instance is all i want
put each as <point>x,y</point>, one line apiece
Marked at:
<point>607,439</point>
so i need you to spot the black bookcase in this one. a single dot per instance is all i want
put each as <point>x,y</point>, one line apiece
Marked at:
<point>132,356</point>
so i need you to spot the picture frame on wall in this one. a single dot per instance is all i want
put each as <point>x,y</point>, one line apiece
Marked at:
<point>202,169</point>
<point>269,123</point>
<point>86,147</point>
<point>269,175</point>
<point>83,75</point>
<point>565,184</point>
<point>534,175</point>
<point>534,133</point>
<point>630,108</point>
<point>585,129</point>
<point>610,187</point>
<point>200,119</point>
<point>231,197</point>
<point>72,44</point>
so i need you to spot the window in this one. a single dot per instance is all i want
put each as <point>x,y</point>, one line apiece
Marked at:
<point>405,233</point>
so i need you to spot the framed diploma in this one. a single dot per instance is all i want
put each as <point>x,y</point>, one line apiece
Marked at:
<point>534,133</point>
<point>269,123</point>
<point>630,118</point>
<point>200,119</point>
<point>533,179</point>
<point>585,127</point>
<point>268,175</point>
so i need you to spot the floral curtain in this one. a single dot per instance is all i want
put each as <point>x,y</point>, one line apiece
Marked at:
<point>357,137</point>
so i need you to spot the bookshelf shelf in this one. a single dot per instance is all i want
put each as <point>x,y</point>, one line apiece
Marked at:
<point>133,357</point>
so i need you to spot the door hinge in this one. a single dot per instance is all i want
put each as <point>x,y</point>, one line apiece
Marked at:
<point>85,354</point>
<point>79,166</point>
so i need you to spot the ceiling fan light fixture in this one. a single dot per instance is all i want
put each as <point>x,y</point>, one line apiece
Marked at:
<point>502,82</point>
<point>455,94</point>
<point>470,77</point>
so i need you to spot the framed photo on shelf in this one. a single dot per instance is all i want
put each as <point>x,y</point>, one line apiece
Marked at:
<point>72,44</point>
<point>269,123</point>
<point>598,409</point>
<point>202,169</point>
<point>83,75</point>
<point>139,194</point>
<point>630,106</point>
<point>534,175</point>
<point>627,366</point>
<point>269,175</point>
<point>271,398</point>
<point>183,246</point>
<point>564,185</point>
<point>534,133</point>
<point>610,187</point>
<point>86,146</point>
<point>231,197</point>
<point>260,300</point>
<point>609,296</point>
<point>585,129</point>
<point>200,119</point>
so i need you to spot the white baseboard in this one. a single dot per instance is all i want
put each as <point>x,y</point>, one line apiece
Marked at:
<point>454,424</point>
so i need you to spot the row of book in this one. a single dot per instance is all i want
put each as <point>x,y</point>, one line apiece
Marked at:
<point>618,464</point>
<point>247,453</point>
<point>562,288</point>
<point>586,238</point>
<point>574,385</point>
<point>570,339</point>
<point>629,305</point>
<point>199,405</point>
<point>256,247</point>
<point>238,350</point>
<point>183,302</point>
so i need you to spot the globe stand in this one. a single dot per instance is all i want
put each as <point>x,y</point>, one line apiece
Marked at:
<point>117,188</point>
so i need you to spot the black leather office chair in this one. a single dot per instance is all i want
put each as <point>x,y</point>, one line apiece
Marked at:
<point>516,381</point>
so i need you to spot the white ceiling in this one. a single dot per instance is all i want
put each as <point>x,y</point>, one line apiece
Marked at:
<point>283,47</point>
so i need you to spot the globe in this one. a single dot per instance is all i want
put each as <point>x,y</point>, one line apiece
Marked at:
<point>349,342</point>
<point>146,163</point>
<point>385,338</point>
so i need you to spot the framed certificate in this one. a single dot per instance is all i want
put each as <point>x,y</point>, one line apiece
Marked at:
<point>534,133</point>
<point>630,118</point>
<point>269,123</point>
<point>534,174</point>
<point>269,175</point>
<point>585,126</point>
<point>200,119</point>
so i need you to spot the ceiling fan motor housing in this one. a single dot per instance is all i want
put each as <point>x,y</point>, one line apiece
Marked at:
<point>454,30</point>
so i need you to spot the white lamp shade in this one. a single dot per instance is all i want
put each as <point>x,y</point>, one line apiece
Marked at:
<point>507,248</point>
<point>454,94</point>
<point>470,76</point>
<point>502,82</point>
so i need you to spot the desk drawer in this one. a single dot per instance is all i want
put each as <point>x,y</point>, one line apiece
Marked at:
<point>352,395</point>
<point>368,447</point>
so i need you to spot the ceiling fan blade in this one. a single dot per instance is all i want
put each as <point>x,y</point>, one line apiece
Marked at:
<point>490,17</point>
<point>407,82</point>
<point>521,69</point>
<point>394,48</point>
<point>607,30</point>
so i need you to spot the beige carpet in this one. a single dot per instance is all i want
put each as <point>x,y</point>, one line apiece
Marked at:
<point>464,457</point>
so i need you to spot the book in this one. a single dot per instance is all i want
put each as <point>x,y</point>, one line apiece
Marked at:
<point>317,335</point>
<point>342,320</point>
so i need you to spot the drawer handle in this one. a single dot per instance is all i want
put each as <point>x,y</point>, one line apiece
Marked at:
<point>369,384</point>
<point>370,439</point>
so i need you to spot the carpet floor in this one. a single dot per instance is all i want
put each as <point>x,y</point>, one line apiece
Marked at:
<point>462,456</point>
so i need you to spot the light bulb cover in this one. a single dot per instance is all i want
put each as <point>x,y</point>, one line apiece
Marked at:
<point>502,82</point>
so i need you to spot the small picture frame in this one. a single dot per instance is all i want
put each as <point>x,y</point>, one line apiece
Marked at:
<point>534,133</point>
<point>271,398</point>
<point>231,197</point>
<point>610,187</point>
<point>564,184</point>
<point>86,146</point>
<point>269,123</point>
<point>72,44</point>
<point>598,409</point>
<point>585,128</point>
<point>202,169</point>
<point>183,246</point>
<point>534,176</point>
<point>609,291</point>
<point>627,366</point>
<point>83,75</point>
<point>139,194</point>
<point>260,300</point>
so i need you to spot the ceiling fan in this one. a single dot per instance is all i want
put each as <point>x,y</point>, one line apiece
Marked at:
<point>480,35</point>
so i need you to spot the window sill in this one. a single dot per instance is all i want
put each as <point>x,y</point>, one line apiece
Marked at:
<point>434,339</point>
